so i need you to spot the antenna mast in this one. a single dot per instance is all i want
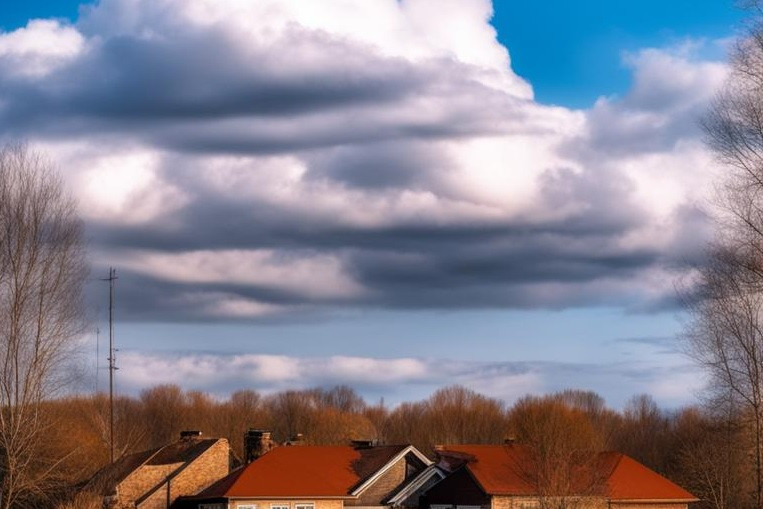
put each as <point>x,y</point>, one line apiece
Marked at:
<point>97,356</point>
<point>112,358</point>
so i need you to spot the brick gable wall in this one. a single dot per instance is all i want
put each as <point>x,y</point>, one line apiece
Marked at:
<point>212,465</point>
<point>389,483</point>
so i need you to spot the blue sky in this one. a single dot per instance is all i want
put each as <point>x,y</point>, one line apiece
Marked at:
<point>572,51</point>
<point>481,236</point>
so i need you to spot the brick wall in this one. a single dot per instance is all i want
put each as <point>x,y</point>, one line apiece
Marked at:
<point>211,465</point>
<point>502,503</point>
<point>384,486</point>
<point>520,502</point>
<point>593,503</point>
<point>265,504</point>
<point>142,480</point>
<point>615,505</point>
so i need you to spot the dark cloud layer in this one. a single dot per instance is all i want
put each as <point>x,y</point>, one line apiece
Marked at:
<point>288,169</point>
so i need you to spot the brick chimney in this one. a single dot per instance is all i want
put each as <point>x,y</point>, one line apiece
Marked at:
<point>256,443</point>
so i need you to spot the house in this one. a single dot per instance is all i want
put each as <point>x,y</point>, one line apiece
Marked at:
<point>154,479</point>
<point>494,477</point>
<point>318,477</point>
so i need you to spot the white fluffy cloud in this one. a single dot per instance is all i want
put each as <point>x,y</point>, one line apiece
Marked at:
<point>404,378</point>
<point>242,159</point>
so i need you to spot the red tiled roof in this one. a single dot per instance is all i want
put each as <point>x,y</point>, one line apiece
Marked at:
<point>304,471</point>
<point>502,470</point>
<point>499,469</point>
<point>630,480</point>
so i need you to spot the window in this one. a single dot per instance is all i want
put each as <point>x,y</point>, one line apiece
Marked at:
<point>304,505</point>
<point>441,506</point>
<point>246,506</point>
<point>210,506</point>
<point>279,506</point>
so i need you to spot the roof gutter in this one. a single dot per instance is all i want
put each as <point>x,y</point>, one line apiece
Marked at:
<point>291,497</point>
<point>653,500</point>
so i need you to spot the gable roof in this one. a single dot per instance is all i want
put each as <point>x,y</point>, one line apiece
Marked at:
<point>499,471</point>
<point>307,471</point>
<point>630,480</point>
<point>184,451</point>
<point>419,482</point>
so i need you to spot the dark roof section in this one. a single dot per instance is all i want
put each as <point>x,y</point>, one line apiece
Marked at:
<point>105,481</point>
<point>182,451</point>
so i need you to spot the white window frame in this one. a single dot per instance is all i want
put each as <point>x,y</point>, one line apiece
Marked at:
<point>304,505</point>
<point>246,506</point>
<point>281,505</point>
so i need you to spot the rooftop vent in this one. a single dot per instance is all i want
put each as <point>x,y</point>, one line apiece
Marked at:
<point>297,439</point>
<point>362,444</point>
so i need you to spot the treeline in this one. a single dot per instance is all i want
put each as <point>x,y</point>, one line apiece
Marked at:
<point>704,451</point>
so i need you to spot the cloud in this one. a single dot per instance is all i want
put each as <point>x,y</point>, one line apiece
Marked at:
<point>402,378</point>
<point>251,160</point>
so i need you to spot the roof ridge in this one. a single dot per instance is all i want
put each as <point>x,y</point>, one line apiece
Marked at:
<point>149,458</point>
<point>620,457</point>
<point>400,452</point>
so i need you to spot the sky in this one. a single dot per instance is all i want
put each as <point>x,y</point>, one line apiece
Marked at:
<point>394,195</point>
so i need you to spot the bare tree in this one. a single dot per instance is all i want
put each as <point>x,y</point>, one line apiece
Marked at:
<point>457,415</point>
<point>164,409</point>
<point>725,333</point>
<point>726,337</point>
<point>644,433</point>
<point>710,460</point>
<point>42,272</point>
<point>564,465</point>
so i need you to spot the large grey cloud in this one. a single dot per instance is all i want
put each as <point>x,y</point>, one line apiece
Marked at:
<point>267,161</point>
